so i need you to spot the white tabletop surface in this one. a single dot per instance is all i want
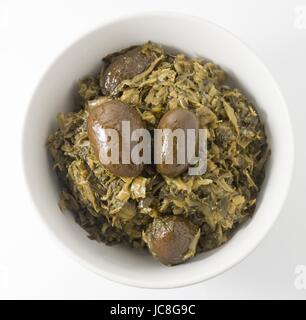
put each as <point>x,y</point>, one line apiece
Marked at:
<point>32,33</point>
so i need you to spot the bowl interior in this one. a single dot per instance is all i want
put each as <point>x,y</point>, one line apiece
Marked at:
<point>56,92</point>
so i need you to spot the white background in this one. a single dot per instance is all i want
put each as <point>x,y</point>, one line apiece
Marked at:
<point>32,33</point>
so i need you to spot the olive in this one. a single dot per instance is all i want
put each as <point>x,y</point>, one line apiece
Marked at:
<point>110,115</point>
<point>123,65</point>
<point>172,239</point>
<point>175,119</point>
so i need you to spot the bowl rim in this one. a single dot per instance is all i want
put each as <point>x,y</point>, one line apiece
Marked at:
<point>194,278</point>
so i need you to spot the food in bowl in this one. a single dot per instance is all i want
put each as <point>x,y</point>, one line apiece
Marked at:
<point>160,207</point>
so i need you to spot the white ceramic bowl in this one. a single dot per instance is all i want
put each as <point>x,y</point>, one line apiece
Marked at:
<point>55,93</point>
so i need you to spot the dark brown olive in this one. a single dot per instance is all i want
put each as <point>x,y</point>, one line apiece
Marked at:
<point>110,116</point>
<point>123,65</point>
<point>175,119</point>
<point>172,240</point>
